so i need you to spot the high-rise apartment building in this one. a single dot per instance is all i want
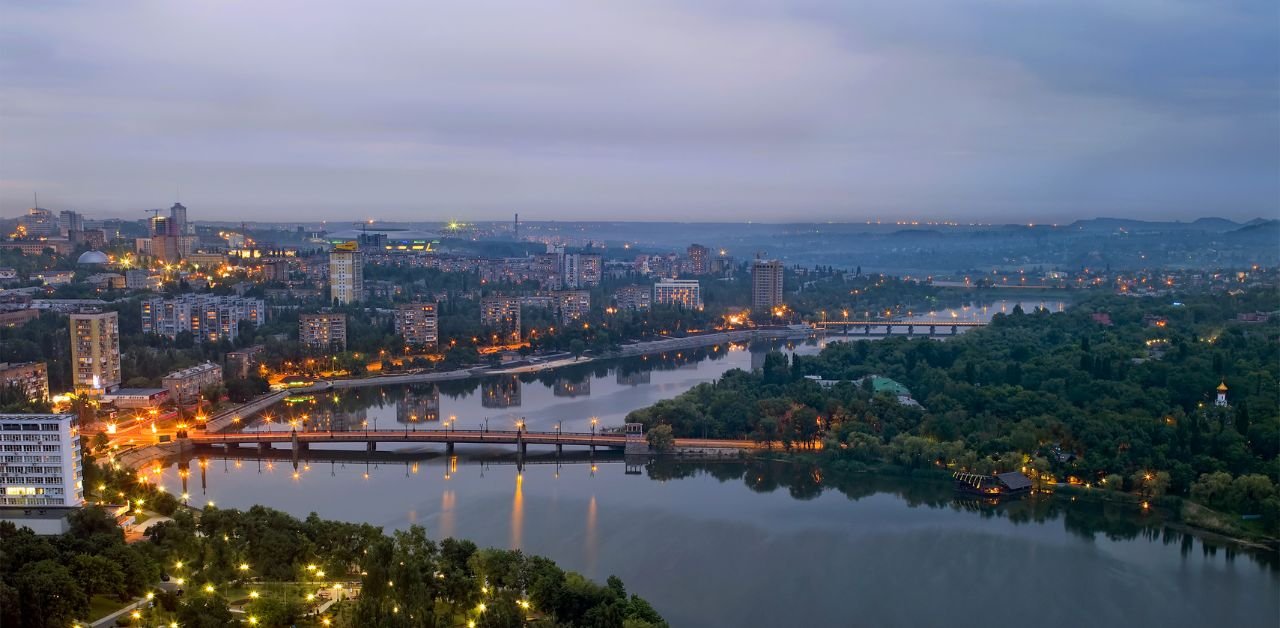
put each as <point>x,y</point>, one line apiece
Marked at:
<point>581,270</point>
<point>208,317</point>
<point>633,298</point>
<point>323,331</point>
<point>501,314</point>
<point>698,256</point>
<point>95,352</point>
<point>766,285</point>
<point>573,304</point>
<point>346,273</point>
<point>32,378</point>
<point>40,459</point>
<point>686,293</point>
<point>418,323</point>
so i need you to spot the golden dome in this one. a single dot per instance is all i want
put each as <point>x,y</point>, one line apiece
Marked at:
<point>1222,387</point>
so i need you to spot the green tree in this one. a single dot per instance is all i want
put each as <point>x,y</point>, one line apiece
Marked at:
<point>97,574</point>
<point>661,438</point>
<point>204,611</point>
<point>49,595</point>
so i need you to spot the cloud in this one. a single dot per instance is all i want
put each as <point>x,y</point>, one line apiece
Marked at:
<point>657,110</point>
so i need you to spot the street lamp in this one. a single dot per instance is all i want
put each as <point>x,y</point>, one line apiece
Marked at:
<point>594,421</point>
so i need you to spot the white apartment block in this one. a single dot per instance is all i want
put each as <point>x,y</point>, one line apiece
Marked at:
<point>40,470</point>
<point>685,293</point>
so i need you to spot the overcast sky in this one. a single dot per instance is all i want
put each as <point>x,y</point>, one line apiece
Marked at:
<point>644,110</point>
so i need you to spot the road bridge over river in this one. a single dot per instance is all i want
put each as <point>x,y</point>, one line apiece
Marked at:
<point>886,328</point>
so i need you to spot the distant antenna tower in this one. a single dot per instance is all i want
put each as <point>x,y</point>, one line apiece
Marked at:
<point>517,227</point>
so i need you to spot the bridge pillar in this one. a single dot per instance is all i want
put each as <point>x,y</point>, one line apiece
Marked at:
<point>911,330</point>
<point>559,449</point>
<point>953,330</point>
<point>931,330</point>
<point>264,447</point>
<point>521,446</point>
<point>866,331</point>
<point>636,442</point>
<point>372,446</point>
<point>448,447</point>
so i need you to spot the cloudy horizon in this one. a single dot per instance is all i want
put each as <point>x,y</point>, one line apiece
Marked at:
<point>1002,110</point>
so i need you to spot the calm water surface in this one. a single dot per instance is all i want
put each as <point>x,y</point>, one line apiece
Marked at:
<point>740,544</point>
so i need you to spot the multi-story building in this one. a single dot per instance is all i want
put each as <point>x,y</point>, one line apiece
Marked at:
<point>346,273</point>
<point>323,331</point>
<point>633,298</point>
<point>95,351</point>
<point>275,270</point>
<point>140,279</point>
<point>686,293</point>
<point>548,269</point>
<point>185,385</point>
<point>501,314</point>
<point>698,255</point>
<point>240,363</point>
<point>178,220</point>
<point>418,323</point>
<point>581,270</point>
<point>573,304</point>
<point>69,222</point>
<point>40,470</point>
<point>766,285</point>
<point>32,378</point>
<point>39,223</point>
<point>209,318</point>
<point>206,260</point>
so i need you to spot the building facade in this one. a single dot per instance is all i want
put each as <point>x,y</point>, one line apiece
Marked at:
<point>185,385</point>
<point>501,314</point>
<point>573,305</point>
<point>323,331</point>
<point>766,285</point>
<point>346,273</point>
<point>581,270</point>
<point>418,323</point>
<point>208,317</point>
<point>32,378</point>
<point>686,293</point>
<point>240,363</point>
<point>633,298</point>
<point>40,462</point>
<point>95,351</point>
<point>698,256</point>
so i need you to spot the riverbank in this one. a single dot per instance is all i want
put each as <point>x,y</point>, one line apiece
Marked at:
<point>1176,513</point>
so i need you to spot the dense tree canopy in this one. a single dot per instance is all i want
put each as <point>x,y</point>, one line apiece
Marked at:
<point>1062,393</point>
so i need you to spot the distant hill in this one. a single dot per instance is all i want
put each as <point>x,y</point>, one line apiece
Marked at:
<point>1257,229</point>
<point>1214,224</point>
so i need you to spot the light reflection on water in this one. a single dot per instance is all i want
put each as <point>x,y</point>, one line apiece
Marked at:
<point>735,545</point>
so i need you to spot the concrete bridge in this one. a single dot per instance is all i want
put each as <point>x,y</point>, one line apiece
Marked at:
<point>886,328</point>
<point>631,440</point>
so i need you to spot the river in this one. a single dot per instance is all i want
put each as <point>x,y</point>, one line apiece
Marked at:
<point>739,544</point>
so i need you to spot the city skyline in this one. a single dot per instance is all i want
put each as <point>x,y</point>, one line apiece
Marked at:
<point>992,112</point>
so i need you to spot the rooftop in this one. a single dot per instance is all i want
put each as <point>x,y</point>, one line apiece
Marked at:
<point>31,418</point>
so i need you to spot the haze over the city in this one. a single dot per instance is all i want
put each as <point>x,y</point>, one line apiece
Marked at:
<point>717,111</point>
